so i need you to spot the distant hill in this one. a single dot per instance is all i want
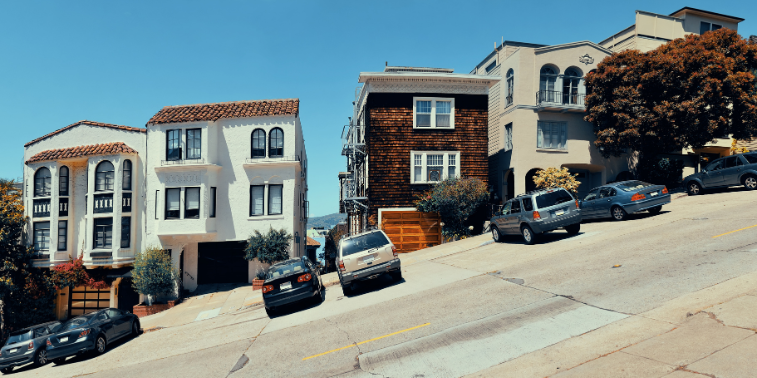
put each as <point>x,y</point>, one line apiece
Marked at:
<point>326,220</point>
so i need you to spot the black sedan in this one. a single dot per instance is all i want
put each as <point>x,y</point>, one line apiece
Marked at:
<point>25,346</point>
<point>291,281</point>
<point>91,333</point>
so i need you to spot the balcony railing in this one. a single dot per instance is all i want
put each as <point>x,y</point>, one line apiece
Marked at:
<point>559,98</point>
<point>349,189</point>
<point>168,163</point>
<point>126,203</point>
<point>63,207</point>
<point>275,159</point>
<point>41,208</point>
<point>352,138</point>
<point>103,203</point>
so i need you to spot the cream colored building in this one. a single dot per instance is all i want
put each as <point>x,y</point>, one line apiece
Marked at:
<point>649,31</point>
<point>536,116</point>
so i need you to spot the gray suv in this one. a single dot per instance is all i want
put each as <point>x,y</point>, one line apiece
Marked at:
<point>535,213</point>
<point>732,170</point>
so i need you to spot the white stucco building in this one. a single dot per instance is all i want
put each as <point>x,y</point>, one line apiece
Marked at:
<point>215,173</point>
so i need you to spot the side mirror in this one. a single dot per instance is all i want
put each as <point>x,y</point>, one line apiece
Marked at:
<point>704,170</point>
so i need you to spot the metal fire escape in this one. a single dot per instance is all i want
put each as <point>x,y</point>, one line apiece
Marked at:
<point>354,183</point>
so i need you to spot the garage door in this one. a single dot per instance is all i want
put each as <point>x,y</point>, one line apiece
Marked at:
<point>412,230</point>
<point>84,300</point>
<point>222,262</point>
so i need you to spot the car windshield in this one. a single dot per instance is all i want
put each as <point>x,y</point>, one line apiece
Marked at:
<point>285,268</point>
<point>74,323</point>
<point>631,186</point>
<point>553,198</point>
<point>19,337</point>
<point>363,243</point>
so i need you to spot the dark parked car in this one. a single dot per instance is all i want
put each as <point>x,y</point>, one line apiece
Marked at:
<point>91,333</point>
<point>728,171</point>
<point>619,199</point>
<point>25,346</point>
<point>537,212</point>
<point>291,281</point>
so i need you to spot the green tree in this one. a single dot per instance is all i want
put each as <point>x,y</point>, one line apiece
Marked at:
<point>26,293</point>
<point>270,247</point>
<point>683,94</point>
<point>153,273</point>
<point>456,200</point>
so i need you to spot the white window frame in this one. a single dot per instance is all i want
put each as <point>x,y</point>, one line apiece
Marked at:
<point>563,133</point>
<point>433,113</point>
<point>424,161</point>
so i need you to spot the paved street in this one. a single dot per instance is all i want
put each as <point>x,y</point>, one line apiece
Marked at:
<point>478,308</point>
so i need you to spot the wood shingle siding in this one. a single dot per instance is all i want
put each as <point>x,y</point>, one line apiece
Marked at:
<point>390,137</point>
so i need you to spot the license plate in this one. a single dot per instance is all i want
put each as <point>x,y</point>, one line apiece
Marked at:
<point>63,339</point>
<point>653,194</point>
<point>13,350</point>
<point>285,286</point>
<point>368,259</point>
<point>559,212</point>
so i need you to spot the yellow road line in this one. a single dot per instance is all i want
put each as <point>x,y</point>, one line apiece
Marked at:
<point>730,232</point>
<point>366,341</point>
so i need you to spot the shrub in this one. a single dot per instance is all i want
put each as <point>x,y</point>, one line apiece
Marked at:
<point>661,171</point>
<point>455,199</point>
<point>270,247</point>
<point>73,274</point>
<point>557,178</point>
<point>153,272</point>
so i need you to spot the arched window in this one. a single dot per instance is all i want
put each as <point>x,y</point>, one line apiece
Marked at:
<point>63,181</point>
<point>104,176</point>
<point>510,78</point>
<point>570,87</point>
<point>258,144</point>
<point>276,143</point>
<point>126,185</point>
<point>547,80</point>
<point>42,182</point>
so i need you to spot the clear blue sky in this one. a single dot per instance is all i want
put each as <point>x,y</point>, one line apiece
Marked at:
<point>121,62</point>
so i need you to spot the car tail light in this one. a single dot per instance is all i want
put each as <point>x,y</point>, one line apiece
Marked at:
<point>394,251</point>
<point>537,216</point>
<point>638,197</point>
<point>49,343</point>
<point>664,190</point>
<point>84,333</point>
<point>304,277</point>
<point>577,205</point>
<point>31,345</point>
<point>341,266</point>
<point>267,288</point>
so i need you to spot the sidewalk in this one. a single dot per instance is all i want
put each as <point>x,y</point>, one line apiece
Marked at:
<point>709,333</point>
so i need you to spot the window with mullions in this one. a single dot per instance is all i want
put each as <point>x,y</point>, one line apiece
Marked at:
<point>173,145</point>
<point>257,193</point>
<point>41,237</point>
<point>126,185</point>
<point>103,233</point>
<point>276,143</point>
<point>706,26</point>
<point>125,232</point>
<point>547,85</point>
<point>104,176</point>
<point>274,199</point>
<point>42,182</point>
<point>173,197</point>
<point>434,166</point>
<point>258,144</point>
<point>510,87</point>
<point>191,203</point>
<point>194,144</point>
<point>62,235</point>
<point>63,181</point>
<point>552,135</point>
<point>431,113</point>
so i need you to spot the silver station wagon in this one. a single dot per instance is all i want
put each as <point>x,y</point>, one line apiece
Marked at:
<point>537,212</point>
<point>732,170</point>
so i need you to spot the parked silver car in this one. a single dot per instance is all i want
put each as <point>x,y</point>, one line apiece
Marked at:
<point>619,199</point>
<point>728,171</point>
<point>537,212</point>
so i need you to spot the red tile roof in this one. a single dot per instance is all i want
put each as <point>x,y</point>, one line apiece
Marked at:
<point>234,109</point>
<point>90,123</point>
<point>313,242</point>
<point>82,151</point>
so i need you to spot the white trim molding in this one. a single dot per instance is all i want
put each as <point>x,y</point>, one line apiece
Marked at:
<point>450,159</point>
<point>433,113</point>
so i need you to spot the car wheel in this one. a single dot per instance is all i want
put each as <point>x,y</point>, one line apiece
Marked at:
<point>100,345</point>
<point>134,329</point>
<point>750,182</point>
<point>573,228</point>
<point>528,234</point>
<point>59,361</point>
<point>496,235</point>
<point>7,370</point>
<point>40,359</point>
<point>618,213</point>
<point>655,210</point>
<point>693,188</point>
<point>397,275</point>
<point>270,312</point>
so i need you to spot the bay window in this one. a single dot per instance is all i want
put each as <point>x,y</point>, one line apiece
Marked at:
<point>62,235</point>
<point>125,232</point>
<point>274,199</point>
<point>257,193</point>
<point>103,233</point>
<point>41,237</point>
<point>173,197</point>
<point>192,203</point>
<point>194,144</point>
<point>433,166</point>
<point>432,113</point>
<point>173,145</point>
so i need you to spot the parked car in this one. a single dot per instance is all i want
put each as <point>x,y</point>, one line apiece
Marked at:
<point>537,212</point>
<point>619,199</point>
<point>732,170</point>
<point>366,256</point>
<point>91,333</point>
<point>26,346</point>
<point>291,281</point>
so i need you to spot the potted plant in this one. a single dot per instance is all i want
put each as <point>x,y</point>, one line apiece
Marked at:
<point>153,274</point>
<point>257,282</point>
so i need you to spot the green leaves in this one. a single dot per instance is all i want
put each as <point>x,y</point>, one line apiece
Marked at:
<point>153,272</point>
<point>455,200</point>
<point>270,247</point>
